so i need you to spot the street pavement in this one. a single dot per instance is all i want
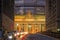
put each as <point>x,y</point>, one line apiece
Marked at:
<point>39,37</point>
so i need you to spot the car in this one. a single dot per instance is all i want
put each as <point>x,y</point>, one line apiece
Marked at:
<point>10,36</point>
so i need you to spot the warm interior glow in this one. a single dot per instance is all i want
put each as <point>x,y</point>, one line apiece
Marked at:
<point>30,19</point>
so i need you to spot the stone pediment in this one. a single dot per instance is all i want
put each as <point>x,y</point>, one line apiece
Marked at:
<point>29,17</point>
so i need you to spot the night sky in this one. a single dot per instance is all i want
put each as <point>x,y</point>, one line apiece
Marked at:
<point>25,5</point>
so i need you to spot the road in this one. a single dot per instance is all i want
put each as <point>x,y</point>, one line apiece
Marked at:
<point>38,37</point>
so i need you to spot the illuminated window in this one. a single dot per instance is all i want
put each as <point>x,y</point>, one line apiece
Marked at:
<point>22,28</point>
<point>29,27</point>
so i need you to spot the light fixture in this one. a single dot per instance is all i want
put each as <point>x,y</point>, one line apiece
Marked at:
<point>58,29</point>
<point>10,37</point>
<point>17,24</point>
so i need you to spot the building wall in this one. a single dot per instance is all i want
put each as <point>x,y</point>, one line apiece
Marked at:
<point>0,14</point>
<point>7,13</point>
<point>35,27</point>
<point>8,8</point>
<point>52,15</point>
<point>7,23</point>
<point>58,13</point>
<point>32,26</point>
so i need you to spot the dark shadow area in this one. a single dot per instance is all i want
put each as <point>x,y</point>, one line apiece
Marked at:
<point>52,34</point>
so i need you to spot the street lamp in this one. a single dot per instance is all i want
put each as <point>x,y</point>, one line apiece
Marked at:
<point>58,29</point>
<point>17,24</point>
